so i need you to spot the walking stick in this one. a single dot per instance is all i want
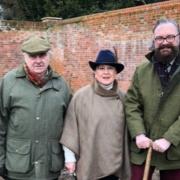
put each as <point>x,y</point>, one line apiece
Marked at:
<point>147,164</point>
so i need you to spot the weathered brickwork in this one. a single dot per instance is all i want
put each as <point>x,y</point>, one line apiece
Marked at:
<point>76,41</point>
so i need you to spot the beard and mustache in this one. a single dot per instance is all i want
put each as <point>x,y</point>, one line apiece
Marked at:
<point>166,53</point>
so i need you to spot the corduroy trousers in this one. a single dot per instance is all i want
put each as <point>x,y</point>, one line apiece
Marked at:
<point>138,171</point>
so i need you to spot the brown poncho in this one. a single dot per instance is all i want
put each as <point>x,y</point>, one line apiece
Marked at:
<point>95,131</point>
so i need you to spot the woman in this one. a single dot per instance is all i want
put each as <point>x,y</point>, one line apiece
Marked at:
<point>95,129</point>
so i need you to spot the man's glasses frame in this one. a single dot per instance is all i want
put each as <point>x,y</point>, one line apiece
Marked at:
<point>169,38</point>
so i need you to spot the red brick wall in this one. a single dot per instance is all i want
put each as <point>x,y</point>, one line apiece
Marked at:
<point>78,40</point>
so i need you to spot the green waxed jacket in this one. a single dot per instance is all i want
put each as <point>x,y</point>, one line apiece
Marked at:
<point>31,122</point>
<point>156,113</point>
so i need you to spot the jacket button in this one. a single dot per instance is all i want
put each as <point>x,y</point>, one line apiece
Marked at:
<point>36,141</point>
<point>161,94</point>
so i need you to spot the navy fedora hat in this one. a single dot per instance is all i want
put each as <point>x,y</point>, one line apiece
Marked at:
<point>106,57</point>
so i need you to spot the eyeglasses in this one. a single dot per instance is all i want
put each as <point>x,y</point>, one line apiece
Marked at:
<point>169,38</point>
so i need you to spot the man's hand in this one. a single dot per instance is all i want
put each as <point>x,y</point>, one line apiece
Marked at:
<point>143,142</point>
<point>70,166</point>
<point>161,145</point>
<point>1,178</point>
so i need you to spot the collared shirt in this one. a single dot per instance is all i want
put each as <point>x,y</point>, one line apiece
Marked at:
<point>165,71</point>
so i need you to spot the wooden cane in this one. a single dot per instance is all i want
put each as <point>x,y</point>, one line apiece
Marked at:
<point>147,164</point>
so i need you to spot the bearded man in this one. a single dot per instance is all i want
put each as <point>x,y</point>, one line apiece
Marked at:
<point>153,106</point>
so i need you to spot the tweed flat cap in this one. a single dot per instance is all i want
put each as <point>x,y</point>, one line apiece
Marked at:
<point>35,44</point>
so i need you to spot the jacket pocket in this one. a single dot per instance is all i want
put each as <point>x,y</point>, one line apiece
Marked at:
<point>56,157</point>
<point>18,155</point>
<point>173,153</point>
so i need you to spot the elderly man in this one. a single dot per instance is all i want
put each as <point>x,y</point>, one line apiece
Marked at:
<point>153,105</point>
<point>33,102</point>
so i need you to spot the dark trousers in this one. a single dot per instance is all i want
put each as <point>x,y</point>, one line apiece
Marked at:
<point>110,178</point>
<point>138,171</point>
